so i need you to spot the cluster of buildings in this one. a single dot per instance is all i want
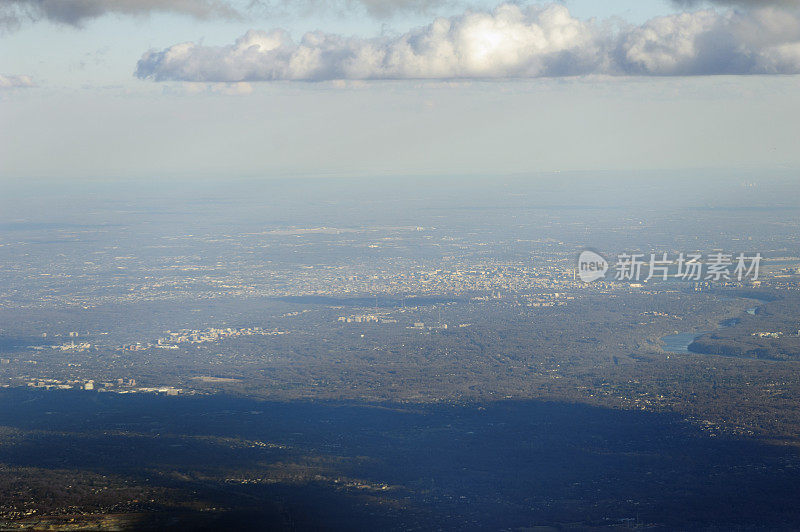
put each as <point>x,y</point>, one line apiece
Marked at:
<point>115,386</point>
<point>80,384</point>
<point>489,278</point>
<point>193,336</point>
<point>71,346</point>
<point>765,334</point>
<point>212,334</point>
<point>419,325</point>
<point>366,318</point>
<point>406,279</point>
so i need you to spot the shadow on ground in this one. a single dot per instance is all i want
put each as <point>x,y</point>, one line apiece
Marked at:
<point>192,461</point>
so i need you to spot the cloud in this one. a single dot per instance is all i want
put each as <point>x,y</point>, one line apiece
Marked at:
<point>762,41</point>
<point>13,13</point>
<point>374,8</point>
<point>76,12</point>
<point>739,3</point>
<point>15,82</point>
<point>385,8</point>
<point>509,42</point>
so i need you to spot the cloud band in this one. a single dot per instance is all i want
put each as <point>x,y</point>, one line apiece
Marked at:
<point>509,42</point>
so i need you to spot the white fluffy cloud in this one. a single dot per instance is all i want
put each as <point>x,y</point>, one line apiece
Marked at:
<point>762,41</point>
<point>510,42</point>
<point>15,82</point>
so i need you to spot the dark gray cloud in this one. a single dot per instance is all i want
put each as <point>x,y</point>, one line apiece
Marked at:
<point>75,12</point>
<point>13,13</point>
<point>509,42</point>
<point>386,8</point>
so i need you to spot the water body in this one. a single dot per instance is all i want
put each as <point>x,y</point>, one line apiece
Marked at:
<point>679,343</point>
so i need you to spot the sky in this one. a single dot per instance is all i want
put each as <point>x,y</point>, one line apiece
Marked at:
<point>110,89</point>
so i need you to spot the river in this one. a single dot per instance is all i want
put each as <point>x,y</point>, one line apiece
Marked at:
<point>679,343</point>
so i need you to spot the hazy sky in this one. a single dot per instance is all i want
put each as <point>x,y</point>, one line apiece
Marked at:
<point>126,88</point>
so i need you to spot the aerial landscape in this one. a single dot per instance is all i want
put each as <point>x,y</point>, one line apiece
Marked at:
<point>436,266</point>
